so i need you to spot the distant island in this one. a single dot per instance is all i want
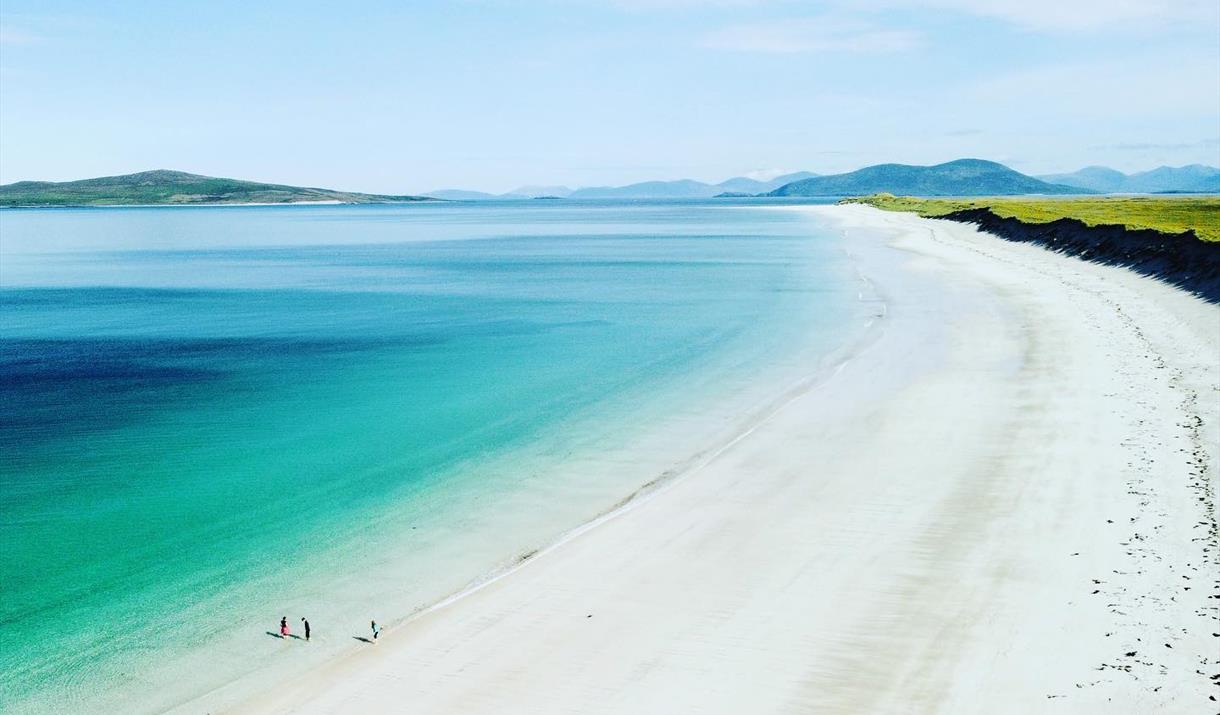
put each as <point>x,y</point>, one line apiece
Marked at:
<point>1190,179</point>
<point>963,177</point>
<point>165,187</point>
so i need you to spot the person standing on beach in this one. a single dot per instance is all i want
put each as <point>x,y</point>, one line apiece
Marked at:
<point>306,628</point>
<point>284,632</point>
<point>375,628</point>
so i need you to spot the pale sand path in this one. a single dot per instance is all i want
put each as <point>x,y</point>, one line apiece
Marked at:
<point>921,532</point>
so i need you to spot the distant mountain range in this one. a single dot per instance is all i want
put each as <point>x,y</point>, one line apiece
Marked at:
<point>679,189</point>
<point>537,192</point>
<point>174,187</point>
<point>1195,178</point>
<point>519,193</point>
<point>964,177</point>
<point>465,195</point>
<point>687,189</point>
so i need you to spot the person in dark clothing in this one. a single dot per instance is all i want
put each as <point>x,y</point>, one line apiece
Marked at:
<point>306,627</point>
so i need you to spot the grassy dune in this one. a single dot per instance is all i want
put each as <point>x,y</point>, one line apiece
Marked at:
<point>1200,214</point>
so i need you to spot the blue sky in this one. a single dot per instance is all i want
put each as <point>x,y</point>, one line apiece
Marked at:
<point>490,94</point>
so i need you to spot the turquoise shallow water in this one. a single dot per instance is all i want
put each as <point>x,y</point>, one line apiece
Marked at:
<point>210,415</point>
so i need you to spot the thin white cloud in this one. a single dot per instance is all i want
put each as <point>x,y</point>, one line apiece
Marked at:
<point>1075,15</point>
<point>806,35</point>
<point>1154,146</point>
<point>1179,85</point>
<point>683,4</point>
<point>10,35</point>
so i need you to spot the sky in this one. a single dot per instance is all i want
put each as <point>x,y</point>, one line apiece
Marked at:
<point>401,97</point>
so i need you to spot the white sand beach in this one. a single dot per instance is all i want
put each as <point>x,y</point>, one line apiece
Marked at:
<point>1004,501</point>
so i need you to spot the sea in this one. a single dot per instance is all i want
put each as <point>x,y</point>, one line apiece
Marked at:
<point>212,418</point>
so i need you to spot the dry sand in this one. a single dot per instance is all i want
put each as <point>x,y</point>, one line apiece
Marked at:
<point>1004,502</point>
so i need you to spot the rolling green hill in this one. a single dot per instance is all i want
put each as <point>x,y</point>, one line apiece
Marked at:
<point>963,177</point>
<point>173,187</point>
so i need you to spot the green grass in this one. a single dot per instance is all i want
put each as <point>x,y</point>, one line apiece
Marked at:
<point>1200,214</point>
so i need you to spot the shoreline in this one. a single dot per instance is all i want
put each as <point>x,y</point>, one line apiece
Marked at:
<point>793,623</point>
<point>674,457</point>
<point>596,461</point>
